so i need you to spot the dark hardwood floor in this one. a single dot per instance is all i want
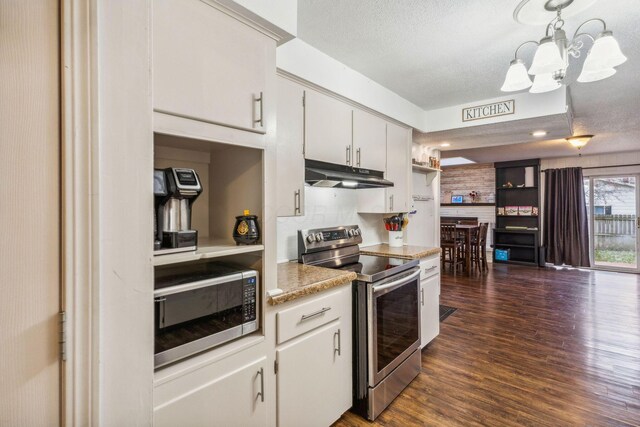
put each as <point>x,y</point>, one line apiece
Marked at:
<point>532,347</point>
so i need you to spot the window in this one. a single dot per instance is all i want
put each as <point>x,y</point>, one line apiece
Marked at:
<point>602,210</point>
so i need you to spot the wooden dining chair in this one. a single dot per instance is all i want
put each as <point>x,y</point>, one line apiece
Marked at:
<point>452,247</point>
<point>479,248</point>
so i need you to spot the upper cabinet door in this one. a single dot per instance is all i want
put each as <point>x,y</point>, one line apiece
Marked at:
<point>209,66</point>
<point>327,129</point>
<point>290,157</point>
<point>369,141</point>
<point>398,168</point>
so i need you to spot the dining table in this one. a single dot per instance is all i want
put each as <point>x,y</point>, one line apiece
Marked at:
<point>467,229</point>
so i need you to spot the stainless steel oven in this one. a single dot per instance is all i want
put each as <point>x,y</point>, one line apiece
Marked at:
<point>394,314</point>
<point>195,311</point>
<point>386,314</point>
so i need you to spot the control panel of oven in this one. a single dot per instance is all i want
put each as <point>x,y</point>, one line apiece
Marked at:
<point>327,237</point>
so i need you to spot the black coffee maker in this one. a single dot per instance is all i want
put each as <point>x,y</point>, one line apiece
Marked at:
<point>175,190</point>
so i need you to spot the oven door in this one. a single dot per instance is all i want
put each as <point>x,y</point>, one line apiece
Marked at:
<point>394,323</point>
<point>195,316</point>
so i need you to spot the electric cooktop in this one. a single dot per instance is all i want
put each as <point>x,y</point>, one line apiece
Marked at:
<point>372,268</point>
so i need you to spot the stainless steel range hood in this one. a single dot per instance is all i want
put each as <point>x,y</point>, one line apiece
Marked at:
<point>322,174</point>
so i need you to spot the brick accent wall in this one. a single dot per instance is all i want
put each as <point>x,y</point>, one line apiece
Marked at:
<point>464,179</point>
<point>467,178</point>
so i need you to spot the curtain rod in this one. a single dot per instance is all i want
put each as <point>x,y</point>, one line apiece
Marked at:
<point>602,167</point>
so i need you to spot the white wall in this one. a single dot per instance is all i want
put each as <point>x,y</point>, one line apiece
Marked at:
<point>327,207</point>
<point>613,159</point>
<point>302,60</point>
<point>527,106</point>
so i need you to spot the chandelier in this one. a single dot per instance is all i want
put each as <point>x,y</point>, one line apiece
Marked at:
<point>551,60</point>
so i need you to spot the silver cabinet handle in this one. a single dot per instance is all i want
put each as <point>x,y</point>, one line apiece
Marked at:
<point>391,202</point>
<point>339,349</point>
<point>315,313</point>
<point>297,201</point>
<point>261,392</point>
<point>348,154</point>
<point>421,296</point>
<point>358,156</point>
<point>433,267</point>
<point>259,101</point>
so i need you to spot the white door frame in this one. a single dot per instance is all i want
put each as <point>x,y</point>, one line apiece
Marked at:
<point>592,223</point>
<point>78,160</point>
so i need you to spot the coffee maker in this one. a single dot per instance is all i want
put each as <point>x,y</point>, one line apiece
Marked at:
<point>175,190</point>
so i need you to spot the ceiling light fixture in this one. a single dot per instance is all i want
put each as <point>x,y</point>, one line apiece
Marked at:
<point>455,161</point>
<point>445,144</point>
<point>539,133</point>
<point>579,141</point>
<point>551,60</point>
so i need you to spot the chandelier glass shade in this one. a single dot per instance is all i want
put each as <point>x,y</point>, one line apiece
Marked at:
<point>551,59</point>
<point>544,83</point>
<point>517,77</point>
<point>547,58</point>
<point>594,76</point>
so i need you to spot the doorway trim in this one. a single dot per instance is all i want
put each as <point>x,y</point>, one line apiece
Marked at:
<point>611,173</point>
<point>78,163</point>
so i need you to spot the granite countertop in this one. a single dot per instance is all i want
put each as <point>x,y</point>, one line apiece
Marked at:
<point>405,252</point>
<point>297,280</point>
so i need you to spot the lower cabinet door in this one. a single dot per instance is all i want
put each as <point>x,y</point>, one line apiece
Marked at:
<point>314,377</point>
<point>430,309</point>
<point>235,399</point>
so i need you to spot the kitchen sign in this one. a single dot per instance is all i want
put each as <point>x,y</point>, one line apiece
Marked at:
<point>502,108</point>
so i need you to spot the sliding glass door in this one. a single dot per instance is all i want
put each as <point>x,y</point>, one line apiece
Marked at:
<point>612,206</point>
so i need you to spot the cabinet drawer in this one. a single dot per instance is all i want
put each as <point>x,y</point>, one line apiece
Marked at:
<point>429,267</point>
<point>302,318</point>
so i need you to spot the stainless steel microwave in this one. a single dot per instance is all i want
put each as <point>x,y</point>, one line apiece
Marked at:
<point>196,311</point>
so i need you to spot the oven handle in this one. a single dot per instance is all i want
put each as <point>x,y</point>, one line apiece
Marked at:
<point>396,283</point>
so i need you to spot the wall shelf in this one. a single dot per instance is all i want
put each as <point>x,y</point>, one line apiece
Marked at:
<point>513,245</point>
<point>467,204</point>
<point>424,169</point>
<point>522,243</point>
<point>207,249</point>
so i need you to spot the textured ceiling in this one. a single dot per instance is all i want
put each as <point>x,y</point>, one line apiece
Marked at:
<point>513,132</point>
<point>439,53</point>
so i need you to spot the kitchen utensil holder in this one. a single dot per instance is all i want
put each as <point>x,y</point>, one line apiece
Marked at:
<point>396,239</point>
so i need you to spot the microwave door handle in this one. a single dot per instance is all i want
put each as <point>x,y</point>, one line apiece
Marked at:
<point>396,283</point>
<point>191,286</point>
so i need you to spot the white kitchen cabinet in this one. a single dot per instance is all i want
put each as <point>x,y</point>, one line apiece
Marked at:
<point>314,377</point>
<point>209,66</point>
<point>397,198</point>
<point>369,141</point>
<point>328,123</point>
<point>429,300</point>
<point>236,398</point>
<point>313,353</point>
<point>290,156</point>
<point>398,167</point>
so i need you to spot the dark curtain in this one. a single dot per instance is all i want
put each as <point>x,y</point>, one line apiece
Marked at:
<point>566,230</point>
